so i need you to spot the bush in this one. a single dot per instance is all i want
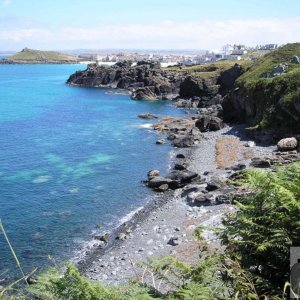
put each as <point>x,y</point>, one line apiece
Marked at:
<point>267,224</point>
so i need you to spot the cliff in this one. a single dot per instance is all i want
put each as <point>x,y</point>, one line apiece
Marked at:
<point>206,85</point>
<point>268,94</point>
<point>146,80</point>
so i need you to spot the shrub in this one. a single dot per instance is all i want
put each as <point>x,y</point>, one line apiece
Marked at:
<point>267,224</point>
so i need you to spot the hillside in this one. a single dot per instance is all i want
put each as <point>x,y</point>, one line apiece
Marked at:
<point>268,94</point>
<point>34,56</point>
<point>205,71</point>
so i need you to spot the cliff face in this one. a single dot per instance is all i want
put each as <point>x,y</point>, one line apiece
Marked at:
<point>208,84</point>
<point>146,80</point>
<point>268,94</point>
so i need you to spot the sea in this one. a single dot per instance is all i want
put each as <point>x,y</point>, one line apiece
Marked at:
<point>71,163</point>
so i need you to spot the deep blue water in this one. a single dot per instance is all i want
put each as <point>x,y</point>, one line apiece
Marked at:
<point>70,159</point>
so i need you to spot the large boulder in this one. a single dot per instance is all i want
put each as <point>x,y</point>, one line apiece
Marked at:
<point>287,144</point>
<point>180,178</point>
<point>209,123</point>
<point>183,141</point>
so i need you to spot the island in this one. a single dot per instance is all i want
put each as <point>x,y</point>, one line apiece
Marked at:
<point>31,56</point>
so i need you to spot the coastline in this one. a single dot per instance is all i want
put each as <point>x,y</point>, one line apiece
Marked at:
<point>149,232</point>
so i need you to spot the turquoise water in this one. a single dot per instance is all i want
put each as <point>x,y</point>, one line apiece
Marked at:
<point>71,160</point>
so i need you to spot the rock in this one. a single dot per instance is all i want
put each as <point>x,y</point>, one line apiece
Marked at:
<point>147,116</point>
<point>295,60</point>
<point>214,184</point>
<point>30,280</point>
<point>226,195</point>
<point>279,70</point>
<point>258,162</point>
<point>202,200</point>
<point>238,167</point>
<point>163,188</point>
<point>224,199</point>
<point>180,166</point>
<point>158,181</point>
<point>174,241</point>
<point>208,123</point>
<point>180,155</point>
<point>249,144</point>
<point>183,141</point>
<point>287,144</point>
<point>146,80</point>
<point>196,133</point>
<point>180,178</point>
<point>122,236</point>
<point>160,142</point>
<point>152,174</point>
<point>103,238</point>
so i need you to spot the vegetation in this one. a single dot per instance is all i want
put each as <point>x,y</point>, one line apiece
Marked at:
<point>209,70</point>
<point>261,233</point>
<point>255,264</point>
<point>272,100</point>
<point>38,55</point>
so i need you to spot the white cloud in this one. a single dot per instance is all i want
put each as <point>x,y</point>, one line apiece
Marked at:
<point>167,34</point>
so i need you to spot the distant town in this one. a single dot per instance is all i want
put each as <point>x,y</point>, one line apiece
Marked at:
<point>228,52</point>
<point>167,58</point>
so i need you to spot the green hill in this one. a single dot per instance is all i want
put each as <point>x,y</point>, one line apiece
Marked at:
<point>268,94</point>
<point>30,55</point>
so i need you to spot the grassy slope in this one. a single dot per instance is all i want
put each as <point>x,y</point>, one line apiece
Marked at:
<point>207,70</point>
<point>37,55</point>
<point>267,63</point>
<point>275,97</point>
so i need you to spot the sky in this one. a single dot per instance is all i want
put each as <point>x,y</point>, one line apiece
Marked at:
<point>145,24</point>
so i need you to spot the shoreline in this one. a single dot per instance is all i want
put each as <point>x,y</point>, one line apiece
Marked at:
<point>169,215</point>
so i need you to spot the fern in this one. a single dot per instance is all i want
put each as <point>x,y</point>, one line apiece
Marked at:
<point>267,223</point>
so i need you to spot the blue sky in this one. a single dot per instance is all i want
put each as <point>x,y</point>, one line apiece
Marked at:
<point>164,24</point>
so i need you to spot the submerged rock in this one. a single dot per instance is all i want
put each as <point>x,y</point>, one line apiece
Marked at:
<point>160,142</point>
<point>147,116</point>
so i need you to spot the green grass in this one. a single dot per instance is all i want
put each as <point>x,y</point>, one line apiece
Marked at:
<point>273,100</point>
<point>269,61</point>
<point>209,70</point>
<point>37,55</point>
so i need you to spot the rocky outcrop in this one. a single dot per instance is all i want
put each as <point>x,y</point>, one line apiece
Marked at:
<point>197,91</point>
<point>145,80</point>
<point>174,180</point>
<point>209,123</point>
<point>182,132</point>
<point>268,95</point>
